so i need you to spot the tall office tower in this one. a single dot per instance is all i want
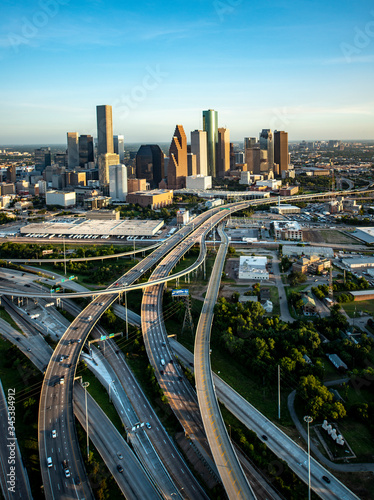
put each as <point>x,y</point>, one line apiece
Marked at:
<point>104,129</point>
<point>199,147</point>
<point>73,149</point>
<point>223,152</point>
<point>42,158</point>
<point>281,150</point>
<point>11,174</point>
<point>105,161</point>
<point>250,142</point>
<point>252,159</point>
<point>232,156</point>
<point>61,159</point>
<point>118,182</point>
<point>267,144</point>
<point>149,162</point>
<point>177,166</point>
<point>239,157</point>
<point>210,125</point>
<point>191,164</point>
<point>86,150</point>
<point>119,146</point>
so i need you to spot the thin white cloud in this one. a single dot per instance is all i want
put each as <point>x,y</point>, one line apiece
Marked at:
<point>362,59</point>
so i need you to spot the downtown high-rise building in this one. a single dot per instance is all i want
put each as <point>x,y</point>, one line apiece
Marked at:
<point>104,130</point>
<point>223,152</point>
<point>178,166</point>
<point>118,182</point>
<point>281,151</point>
<point>149,162</point>
<point>43,158</point>
<point>210,126</point>
<point>199,147</point>
<point>86,150</point>
<point>73,149</point>
<point>250,142</point>
<point>267,144</point>
<point>119,147</point>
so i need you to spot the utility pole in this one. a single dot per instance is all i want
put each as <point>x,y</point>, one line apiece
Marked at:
<point>63,239</point>
<point>279,392</point>
<point>308,420</point>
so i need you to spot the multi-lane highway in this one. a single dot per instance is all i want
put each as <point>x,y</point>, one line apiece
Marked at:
<point>14,480</point>
<point>60,371</point>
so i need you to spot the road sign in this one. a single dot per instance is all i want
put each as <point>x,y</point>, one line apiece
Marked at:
<point>103,337</point>
<point>183,292</point>
<point>112,335</point>
<point>72,277</point>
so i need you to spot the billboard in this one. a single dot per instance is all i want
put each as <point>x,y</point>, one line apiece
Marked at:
<point>180,293</point>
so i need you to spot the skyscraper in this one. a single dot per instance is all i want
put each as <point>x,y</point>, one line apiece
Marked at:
<point>104,129</point>
<point>150,164</point>
<point>177,166</point>
<point>86,150</point>
<point>223,152</point>
<point>267,144</point>
<point>210,125</point>
<point>42,158</point>
<point>119,146</point>
<point>104,162</point>
<point>118,182</point>
<point>250,142</point>
<point>73,150</point>
<point>281,150</point>
<point>199,147</point>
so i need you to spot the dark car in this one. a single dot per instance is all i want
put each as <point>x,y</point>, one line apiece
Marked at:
<point>77,481</point>
<point>326,479</point>
<point>264,437</point>
<point>119,468</point>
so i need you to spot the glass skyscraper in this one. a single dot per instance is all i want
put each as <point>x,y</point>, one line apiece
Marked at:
<point>210,125</point>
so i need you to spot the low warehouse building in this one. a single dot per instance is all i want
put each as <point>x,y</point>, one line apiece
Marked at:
<point>253,268</point>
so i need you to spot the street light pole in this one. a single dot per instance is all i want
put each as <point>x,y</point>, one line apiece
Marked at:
<point>308,420</point>
<point>63,239</point>
<point>85,385</point>
<point>127,325</point>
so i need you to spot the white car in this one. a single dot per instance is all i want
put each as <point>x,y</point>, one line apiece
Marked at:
<point>54,434</point>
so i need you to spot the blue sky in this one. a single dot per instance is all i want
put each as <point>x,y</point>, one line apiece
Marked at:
<point>304,67</point>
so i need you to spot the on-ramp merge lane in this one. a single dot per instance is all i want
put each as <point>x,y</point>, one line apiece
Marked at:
<point>232,475</point>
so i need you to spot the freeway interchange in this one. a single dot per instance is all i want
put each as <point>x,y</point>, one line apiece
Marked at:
<point>56,403</point>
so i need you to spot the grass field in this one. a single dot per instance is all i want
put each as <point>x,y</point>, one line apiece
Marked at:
<point>362,305</point>
<point>333,236</point>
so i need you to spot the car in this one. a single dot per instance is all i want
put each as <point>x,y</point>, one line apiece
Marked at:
<point>164,344</point>
<point>148,425</point>
<point>61,359</point>
<point>264,437</point>
<point>326,479</point>
<point>29,350</point>
<point>67,473</point>
<point>54,434</point>
<point>79,341</point>
<point>77,481</point>
<point>49,462</point>
<point>119,468</point>
<point>119,455</point>
<point>18,339</point>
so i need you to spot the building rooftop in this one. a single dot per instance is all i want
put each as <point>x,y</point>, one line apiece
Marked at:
<point>326,252</point>
<point>287,225</point>
<point>82,226</point>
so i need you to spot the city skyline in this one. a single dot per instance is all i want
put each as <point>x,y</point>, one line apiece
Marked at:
<point>305,68</point>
